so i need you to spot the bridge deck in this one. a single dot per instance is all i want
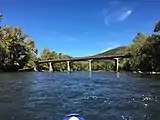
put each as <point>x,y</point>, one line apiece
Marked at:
<point>86,58</point>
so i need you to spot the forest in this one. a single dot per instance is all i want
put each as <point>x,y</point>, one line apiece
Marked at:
<point>18,51</point>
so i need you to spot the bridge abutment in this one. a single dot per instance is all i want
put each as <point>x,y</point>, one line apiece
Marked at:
<point>50,67</point>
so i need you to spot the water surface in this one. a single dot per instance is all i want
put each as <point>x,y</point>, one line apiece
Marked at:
<point>96,95</point>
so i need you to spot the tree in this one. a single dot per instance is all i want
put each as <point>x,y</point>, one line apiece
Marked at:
<point>47,54</point>
<point>31,48</point>
<point>16,48</point>
<point>17,51</point>
<point>146,51</point>
<point>135,49</point>
<point>152,52</point>
<point>157,27</point>
<point>1,16</point>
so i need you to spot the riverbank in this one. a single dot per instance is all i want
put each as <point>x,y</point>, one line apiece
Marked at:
<point>151,73</point>
<point>134,72</point>
<point>26,70</point>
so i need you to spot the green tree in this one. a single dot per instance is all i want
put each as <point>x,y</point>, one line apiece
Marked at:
<point>51,55</point>
<point>134,63</point>
<point>31,48</point>
<point>157,27</point>
<point>16,49</point>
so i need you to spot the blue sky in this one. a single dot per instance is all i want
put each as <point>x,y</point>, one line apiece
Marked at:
<point>81,27</point>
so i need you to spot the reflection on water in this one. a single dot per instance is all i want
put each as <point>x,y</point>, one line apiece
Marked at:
<point>90,74</point>
<point>96,95</point>
<point>117,74</point>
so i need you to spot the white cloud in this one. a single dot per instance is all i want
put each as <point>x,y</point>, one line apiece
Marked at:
<point>117,16</point>
<point>124,15</point>
<point>115,11</point>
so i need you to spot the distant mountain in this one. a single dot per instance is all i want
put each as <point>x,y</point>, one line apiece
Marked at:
<point>115,51</point>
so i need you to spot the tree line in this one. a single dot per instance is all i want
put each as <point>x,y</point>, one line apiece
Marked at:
<point>18,51</point>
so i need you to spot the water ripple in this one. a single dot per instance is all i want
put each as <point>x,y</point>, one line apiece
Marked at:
<point>50,96</point>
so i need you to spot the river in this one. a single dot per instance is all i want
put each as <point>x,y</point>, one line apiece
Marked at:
<point>96,96</point>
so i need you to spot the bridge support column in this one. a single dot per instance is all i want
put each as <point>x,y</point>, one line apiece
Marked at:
<point>116,64</point>
<point>68,66</point>
<point>50,67</point>
<point>90,65</point>
<point>35,69</point>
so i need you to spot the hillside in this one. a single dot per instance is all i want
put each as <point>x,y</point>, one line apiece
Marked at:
<point>115,51</point>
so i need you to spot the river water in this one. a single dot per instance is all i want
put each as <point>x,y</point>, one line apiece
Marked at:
<point>96,96</point>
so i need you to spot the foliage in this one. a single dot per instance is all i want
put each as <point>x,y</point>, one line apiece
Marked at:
<point>157,27</point>
<point>146,51</point>
<point>136,50</point>
<point>16,49</point>
<point>48,55</point>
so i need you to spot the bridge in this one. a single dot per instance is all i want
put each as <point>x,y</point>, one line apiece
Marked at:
<point>89,59</point>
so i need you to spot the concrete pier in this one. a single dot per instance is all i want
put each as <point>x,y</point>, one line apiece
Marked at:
<point>90,65</point>
<point>35,69</point>
<point>50,67</point>
<point>68,66</point>
<point>116,64</point>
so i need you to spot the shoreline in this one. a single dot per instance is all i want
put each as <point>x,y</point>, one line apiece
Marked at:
<point>134,72</point>
<point>150,73</point>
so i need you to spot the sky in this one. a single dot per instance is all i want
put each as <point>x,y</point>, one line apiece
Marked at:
<point>81,27</point>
